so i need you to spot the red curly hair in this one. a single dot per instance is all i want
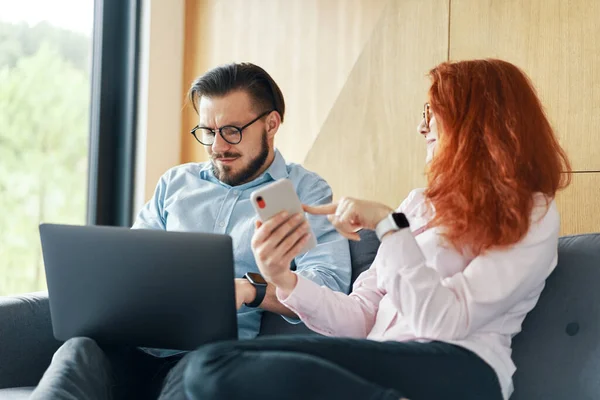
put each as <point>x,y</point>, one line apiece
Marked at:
<point>496,149</point>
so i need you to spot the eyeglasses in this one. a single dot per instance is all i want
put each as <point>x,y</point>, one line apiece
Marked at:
<point>426,115</point>
<point>231,134</point>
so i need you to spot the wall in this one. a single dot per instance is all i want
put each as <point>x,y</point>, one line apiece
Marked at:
<point>353,74</point>
<point>160,96</point>
<point>556,43</point>
<point>308,46</point>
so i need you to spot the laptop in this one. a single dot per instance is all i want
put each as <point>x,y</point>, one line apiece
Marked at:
<point>147,288</point>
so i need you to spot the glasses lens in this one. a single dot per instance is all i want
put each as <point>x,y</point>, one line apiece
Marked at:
<point>231,134</point>
<point>205,136</point>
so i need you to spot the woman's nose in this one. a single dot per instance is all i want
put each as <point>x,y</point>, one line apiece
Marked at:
<point>422,128</point>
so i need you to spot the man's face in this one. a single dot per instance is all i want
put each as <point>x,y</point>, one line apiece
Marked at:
<point>236,164</point>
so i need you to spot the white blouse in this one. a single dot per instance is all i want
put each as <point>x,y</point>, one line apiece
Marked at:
<point>419,289</point>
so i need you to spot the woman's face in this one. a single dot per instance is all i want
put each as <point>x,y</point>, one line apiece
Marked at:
<point>428,128</point>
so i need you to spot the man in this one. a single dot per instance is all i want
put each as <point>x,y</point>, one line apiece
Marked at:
<point>240,109</point>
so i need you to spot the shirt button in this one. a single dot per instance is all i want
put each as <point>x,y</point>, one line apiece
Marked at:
<point>235,192</point>
<point>222,224</point>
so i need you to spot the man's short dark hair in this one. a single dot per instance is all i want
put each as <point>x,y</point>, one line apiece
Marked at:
<point>252,79</point>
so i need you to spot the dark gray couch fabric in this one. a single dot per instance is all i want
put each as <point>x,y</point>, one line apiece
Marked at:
<point>557,354</point>
<point>26,340</point>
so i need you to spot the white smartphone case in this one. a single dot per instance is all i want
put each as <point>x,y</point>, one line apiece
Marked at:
<point>279,196</point>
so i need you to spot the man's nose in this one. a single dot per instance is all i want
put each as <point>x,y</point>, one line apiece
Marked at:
<point>220,144</point>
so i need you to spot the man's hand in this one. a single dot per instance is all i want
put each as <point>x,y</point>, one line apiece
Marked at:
<point>275,244</point>
<point>349,215</point>
<point>245,292</point>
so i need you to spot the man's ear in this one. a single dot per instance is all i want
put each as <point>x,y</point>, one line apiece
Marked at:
<point>273,121</point>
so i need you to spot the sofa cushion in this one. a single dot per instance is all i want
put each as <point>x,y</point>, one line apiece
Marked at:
<point>558,351</point>
<point>363,252</point>
<point>26,340</point>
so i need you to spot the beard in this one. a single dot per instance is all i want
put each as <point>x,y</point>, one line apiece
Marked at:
<point>225,174</point>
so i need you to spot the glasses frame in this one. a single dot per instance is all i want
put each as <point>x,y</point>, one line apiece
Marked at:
<point>427,114</point>
<point>214,131</point>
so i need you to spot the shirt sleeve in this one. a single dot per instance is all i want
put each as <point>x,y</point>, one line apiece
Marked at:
<point>152,215</point>
<point>336,314</point>
<point>328,264</point>
<point>333,313</point>
<point>491,285</point>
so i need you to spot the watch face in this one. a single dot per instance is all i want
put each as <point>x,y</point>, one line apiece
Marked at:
<point>400,220</point>
<point>255,278</point>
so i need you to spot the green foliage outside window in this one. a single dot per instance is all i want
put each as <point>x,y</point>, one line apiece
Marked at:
<point>44,129</point>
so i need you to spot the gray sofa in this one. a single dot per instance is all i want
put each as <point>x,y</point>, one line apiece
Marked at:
<point>557,353</point>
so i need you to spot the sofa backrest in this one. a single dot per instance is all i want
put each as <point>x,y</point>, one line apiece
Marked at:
<point>557,352</point>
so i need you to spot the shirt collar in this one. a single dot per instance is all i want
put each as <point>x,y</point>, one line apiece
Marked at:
<point>277,170</point>
<point>206,172</point>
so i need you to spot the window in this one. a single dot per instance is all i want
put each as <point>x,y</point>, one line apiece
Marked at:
<point>45,83</point>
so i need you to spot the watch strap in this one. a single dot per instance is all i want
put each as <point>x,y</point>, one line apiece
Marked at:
<point>392,222</point>
<point>384,226</point>
<point>261,291</point>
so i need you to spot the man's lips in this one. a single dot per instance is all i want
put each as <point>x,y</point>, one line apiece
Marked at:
<point>226,160</point>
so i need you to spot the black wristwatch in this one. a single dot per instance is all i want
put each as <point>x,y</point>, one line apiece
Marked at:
<point>260,285</point>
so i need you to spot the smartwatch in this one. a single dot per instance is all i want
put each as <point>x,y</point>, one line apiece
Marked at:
<point>260,285</point>
<point>393,222</point>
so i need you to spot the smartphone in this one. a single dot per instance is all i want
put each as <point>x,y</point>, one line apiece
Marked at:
<point>277,197</point>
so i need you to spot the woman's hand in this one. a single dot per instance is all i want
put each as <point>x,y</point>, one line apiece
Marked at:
<point>275,244</point>
<point>350,215</point>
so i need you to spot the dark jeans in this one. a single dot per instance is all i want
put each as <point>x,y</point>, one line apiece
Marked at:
<point>315,368</point>
<point>80,369</point>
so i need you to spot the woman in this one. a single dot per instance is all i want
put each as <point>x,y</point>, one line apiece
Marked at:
<point>434,316</point>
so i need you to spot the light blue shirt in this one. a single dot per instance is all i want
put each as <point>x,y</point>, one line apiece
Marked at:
<point>190,198</point>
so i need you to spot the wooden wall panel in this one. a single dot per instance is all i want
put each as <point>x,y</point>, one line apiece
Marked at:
<point>308,46</point>
<point>557,43</point>
<point>353,73</point>
<point>160,100</point>
<point>579,205</point>
<point>369,146</point>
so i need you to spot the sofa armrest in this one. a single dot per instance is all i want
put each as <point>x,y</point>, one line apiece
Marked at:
<point>26,339</point>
